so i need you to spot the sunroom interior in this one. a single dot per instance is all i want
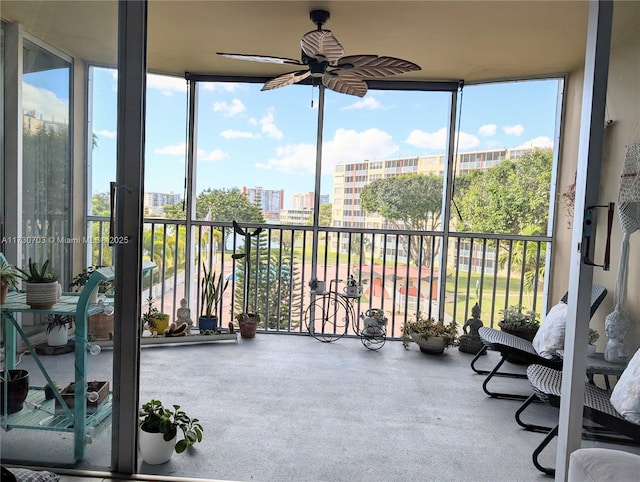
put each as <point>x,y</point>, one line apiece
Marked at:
<point>458,45</point>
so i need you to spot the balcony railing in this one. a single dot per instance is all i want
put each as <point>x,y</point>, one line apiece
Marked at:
<point>400,271</point>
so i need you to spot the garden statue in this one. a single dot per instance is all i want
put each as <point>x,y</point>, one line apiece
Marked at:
<point>470,342</point>
<point>183,323</point>
<point>184,314</point>
<point>616,329</point>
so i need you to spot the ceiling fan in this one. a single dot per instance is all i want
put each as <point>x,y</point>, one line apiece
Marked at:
<point>324,56</point>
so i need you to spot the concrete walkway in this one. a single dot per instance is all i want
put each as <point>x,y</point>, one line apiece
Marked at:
<point>290,408</point>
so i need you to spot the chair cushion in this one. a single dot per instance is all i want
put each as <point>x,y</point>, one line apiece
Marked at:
<point>550,336</point>
<point>625,397</point>
<point>593,464</point>
<point>27,475</point>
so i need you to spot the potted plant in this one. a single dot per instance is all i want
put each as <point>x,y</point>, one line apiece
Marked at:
<point>213,288</point>
<point>522,324</point>
<point>159,431</point>
<point>42,285</point>
<point>99,325</point>
<point>594,336</point>
<point>17,386</point>
<point>430,336</point>
<point>8,278</point>
<point>50,389</point>
<point>58,329</point>
<point>155,321</point>
<point>247,321</point>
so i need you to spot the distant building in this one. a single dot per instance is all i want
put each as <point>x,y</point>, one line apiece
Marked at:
<point>269,201</point>
<point>350,178</point>
<point>305,201</point>
<point>295,216</point>
<point>154,202</point>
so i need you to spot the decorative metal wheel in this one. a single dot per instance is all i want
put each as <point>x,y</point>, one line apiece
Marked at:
<point>373,337</point>
<point>327,318</point>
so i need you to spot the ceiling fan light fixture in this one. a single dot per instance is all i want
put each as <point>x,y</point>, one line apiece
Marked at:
<point>324,56</point>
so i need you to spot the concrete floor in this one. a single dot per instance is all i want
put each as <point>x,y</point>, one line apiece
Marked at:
<point>290,408</point>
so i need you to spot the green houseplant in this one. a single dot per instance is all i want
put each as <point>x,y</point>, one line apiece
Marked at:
<point>159,428</point>
<point>247,321</point>
<point>42,285</point>
<point>522,324</point>
<point>58,329</point>
<point>430,336</point>
<point>594,336</point>
<point>154,320</point>
<point>8,278</point>
<point>212,289</point>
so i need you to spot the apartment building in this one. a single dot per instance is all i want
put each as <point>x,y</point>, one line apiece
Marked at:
<point>154,202</point>
<point>270,201</point>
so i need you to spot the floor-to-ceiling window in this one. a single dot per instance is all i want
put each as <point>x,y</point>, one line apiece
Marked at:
<point>46,158</point>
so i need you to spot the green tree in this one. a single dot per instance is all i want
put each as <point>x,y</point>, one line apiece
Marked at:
<point>507,197</point>
<point>174,211</point>
<point>409,201</point>
<point>227,205</point>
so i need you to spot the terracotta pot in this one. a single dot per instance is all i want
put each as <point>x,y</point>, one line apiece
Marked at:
<point>4,289</point>
<point>155,450</point>
<point>248,324</point>
<point>99,326</point>
<point>17,390</point>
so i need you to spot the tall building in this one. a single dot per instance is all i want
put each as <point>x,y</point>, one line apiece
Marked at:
<point>154,202</point>
<point>305,201</point>
<point>269,201</point>
<point>350,178</point>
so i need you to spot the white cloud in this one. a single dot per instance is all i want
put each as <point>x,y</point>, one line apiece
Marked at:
<point>166,84</point>
<point>515,130</point>
<point>229,110</point>
<point>215,155</point>
<point>346,146</point>
<point>45,104</point>
<point>367,103</point>
<point>540,141</point>
<point>220,86</point>
<point>233,134</point>
<point>172,150</point>
<point>488,130</point>
<point>437,140</point>
<point>106,133</point>
<point>269,127</point>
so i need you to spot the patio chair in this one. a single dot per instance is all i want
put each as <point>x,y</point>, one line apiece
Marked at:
<point>511,346</point>
<point>611,426</point>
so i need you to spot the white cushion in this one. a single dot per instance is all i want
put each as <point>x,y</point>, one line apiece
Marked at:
<point>595,464</point>
<point>625,397</point>
<point>550,336</point>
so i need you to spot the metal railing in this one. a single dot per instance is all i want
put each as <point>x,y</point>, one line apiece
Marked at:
<point>399,270</point>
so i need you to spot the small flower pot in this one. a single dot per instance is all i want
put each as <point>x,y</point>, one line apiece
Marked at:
<point>17,390</point>
<point>248,324</point>
<point>58,335</point>
<point>154,449</point>
<point>208,324</point>
<point>433,344</point>
<point>42,296</point>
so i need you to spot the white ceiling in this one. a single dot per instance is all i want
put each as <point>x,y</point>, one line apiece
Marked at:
<point>469,40</point>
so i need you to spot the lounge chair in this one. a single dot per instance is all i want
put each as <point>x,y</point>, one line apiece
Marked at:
<point>612,427</point>
<point>512,346</point>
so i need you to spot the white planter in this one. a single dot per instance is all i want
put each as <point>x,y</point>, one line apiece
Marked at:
<point>58,336</point>
<point>154,449</point>
<point>591,350</point>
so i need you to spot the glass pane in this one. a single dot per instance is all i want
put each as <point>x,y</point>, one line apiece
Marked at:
<point>46,174</point>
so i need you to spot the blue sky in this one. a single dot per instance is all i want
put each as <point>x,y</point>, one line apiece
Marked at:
<point>252,138</point>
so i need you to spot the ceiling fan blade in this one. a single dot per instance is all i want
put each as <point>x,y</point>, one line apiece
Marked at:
<point>375,66</point>
<point>345,84</point>
<point>261,58</point>
<point>286,79</point>
<point>321,43</point>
